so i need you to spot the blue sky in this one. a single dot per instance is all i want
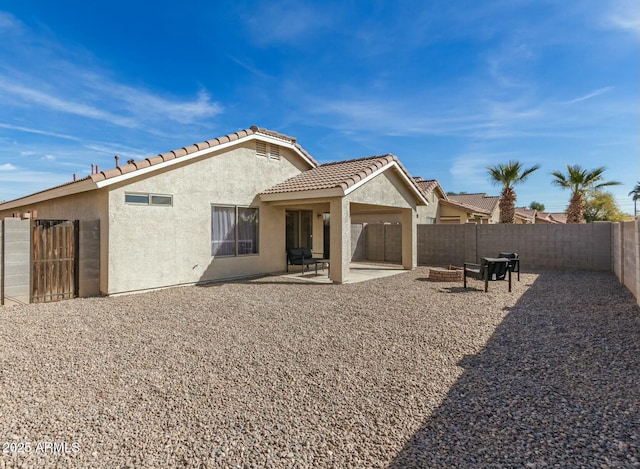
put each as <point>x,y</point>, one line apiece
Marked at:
<point>448,86</point>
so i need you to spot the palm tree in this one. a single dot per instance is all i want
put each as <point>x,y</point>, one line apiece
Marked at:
<point>636,196</point>
<point>509,175</point>
<point>579,181</point>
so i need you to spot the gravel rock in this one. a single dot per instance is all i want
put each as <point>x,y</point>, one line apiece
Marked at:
<point>273,373</point>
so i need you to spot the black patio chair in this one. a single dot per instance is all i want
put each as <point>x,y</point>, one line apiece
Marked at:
<point>489,269</point>
<point>301,257</point>
<point>514,265</point>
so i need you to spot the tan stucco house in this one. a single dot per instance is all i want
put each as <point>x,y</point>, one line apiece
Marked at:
<point>469,208</point>
<point>478,208</point>
<point>227,208</point>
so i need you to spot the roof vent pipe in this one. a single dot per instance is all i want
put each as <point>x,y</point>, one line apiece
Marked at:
<point>117,161</point>
<point>92,169</point>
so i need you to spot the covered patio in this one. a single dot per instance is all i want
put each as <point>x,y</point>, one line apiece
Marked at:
<point>333,191</point>
<point>358,272</point>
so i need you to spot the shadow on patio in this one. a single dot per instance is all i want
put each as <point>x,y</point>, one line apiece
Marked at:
<point>557,384</point>
<point>358,272</point>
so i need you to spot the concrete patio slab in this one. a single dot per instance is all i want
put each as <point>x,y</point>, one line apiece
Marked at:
<point>358,272</point>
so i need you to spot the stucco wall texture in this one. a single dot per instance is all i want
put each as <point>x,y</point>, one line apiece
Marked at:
<point>155,246</point>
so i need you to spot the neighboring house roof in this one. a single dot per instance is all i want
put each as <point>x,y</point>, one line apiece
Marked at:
<point>467,207</point>
<point>558,217</point>
<point>344,176</point>
<point>429,185</point>
<point>526,214</point>
<point>537,215</point>
<point>102,178</point>
<point>483,201</point>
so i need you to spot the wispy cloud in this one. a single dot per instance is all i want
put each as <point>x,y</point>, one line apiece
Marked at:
<point>137,107</point>
<point>593,94</point>
<point>37,131</point>
<point>250,68</point>
<point>18,182</point>
<point>470,169</point>
<point>144,106</point>
<point>286,21</point>
<point>112,149</point>
<point>8,22</point>
<point>69,82</point>
<point>7,167</point>
<point>479,119</point>
<point>55,103</point>
<point>624,14</point>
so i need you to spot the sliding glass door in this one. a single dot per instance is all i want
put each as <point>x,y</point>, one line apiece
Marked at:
<point>299,228</point>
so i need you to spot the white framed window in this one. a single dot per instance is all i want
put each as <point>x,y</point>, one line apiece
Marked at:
<point>234,231</point>
<point>139,198</point>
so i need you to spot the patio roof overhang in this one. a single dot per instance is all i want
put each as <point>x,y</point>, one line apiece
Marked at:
<point>316,195</point>
<point>314,185</point>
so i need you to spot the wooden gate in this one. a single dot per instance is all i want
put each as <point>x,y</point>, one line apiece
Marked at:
<point>54,260</point>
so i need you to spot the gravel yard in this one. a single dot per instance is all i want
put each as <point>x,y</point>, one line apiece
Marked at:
<point>397,372</point>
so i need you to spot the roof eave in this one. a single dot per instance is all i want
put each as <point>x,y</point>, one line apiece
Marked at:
<point>196,154</point>
<point>61,191</point>
<point>302,195</point>
<point>420,198</point>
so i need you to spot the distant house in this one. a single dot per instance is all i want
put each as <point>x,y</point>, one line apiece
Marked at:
<point>526,214</point>
<point>434,193</point>
<point>558,217</point>
<point>227,208</point>
<point>537,217</point>
<point>477,208</point>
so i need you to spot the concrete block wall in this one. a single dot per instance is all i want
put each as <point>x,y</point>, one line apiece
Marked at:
<point>89,252</point>
<point>628,256</point>
<point>15,268</point>
<point>553,247</point>
<point>358,242</point>
<point>375,242</point>
<point>393,243</point>
<point>442,245</point>
<point>16,263</point>
<point>616,248</point>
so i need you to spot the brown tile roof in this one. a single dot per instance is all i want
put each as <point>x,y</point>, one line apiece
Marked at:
<point>429,185</point>
<point>86,178</point>
<point>471,208</point>
<point>184,151</point>
<point>481,200</point>
<point>339,174</point>
<point>546,216</point>
<point>527,213</point>
<point>178,153</point>
<point>558,217</point>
